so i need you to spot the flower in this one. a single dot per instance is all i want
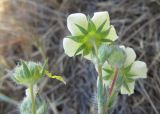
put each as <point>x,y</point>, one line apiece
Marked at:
<point>28,73</point>
<point>87,33</point>
<point>127,75</point>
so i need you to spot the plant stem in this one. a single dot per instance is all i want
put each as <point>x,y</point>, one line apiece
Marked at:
<point>100,88</point>
<point>100,92</point>
<point>114,81</point>
<point>33,100</point>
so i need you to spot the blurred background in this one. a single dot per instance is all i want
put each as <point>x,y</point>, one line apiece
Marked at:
<point>34,30</point>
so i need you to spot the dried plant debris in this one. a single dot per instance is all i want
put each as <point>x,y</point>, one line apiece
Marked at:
<point>23,22</point>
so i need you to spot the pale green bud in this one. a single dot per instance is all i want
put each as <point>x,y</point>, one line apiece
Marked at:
<point>117,57</point>
<point>28,73</point>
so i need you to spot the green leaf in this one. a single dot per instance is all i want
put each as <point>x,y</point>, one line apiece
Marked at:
<point>78,39</point>
<point>79,49</point>
<point>60,78</point>
<point>25,69</point>
<point>84,31</point>
<point>101,26</point>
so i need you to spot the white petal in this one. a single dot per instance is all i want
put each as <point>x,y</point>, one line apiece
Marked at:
<point>77,18</point>
<point>70,46</point>
<point>131,56</point>
<point>131,87</point>
<point>122,47</point>
<point>139,69</point>
<point>100,17</point>
<point>89,56</point>
<point>112,35</point>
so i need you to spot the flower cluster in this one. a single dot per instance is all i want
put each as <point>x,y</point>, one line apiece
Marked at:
<point>130,71</point>
<point>88,34</point>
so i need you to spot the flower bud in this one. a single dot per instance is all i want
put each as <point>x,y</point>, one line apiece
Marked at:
<point>28,73</point>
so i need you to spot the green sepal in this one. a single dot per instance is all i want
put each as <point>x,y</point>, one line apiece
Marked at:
<point>108,71</point>
<point>77,39</point>
<point>80,49</point>
<point>105,33</point>
<point>106,40</point>
<point>25,69</point>
<point>86,52</point>
<point>84,31</point>
<point>91,25</point>
<point>100,28</point>
<point>112,100</point>
<point>125,84</point>
<point>107,77</point>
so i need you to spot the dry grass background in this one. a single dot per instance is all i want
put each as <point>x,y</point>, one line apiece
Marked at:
<point>33,29</point>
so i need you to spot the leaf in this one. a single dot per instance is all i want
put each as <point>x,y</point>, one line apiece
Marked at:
<point>25,69</point>
<point>84,31</point>
<point>78,39</point>
<point>60,78</point>
<point>101,26</point>
<point>79,49</point>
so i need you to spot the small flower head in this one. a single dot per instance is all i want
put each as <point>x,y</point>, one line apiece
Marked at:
<point>127,75</point>
<point>28,73</point>
<point>87,33</point>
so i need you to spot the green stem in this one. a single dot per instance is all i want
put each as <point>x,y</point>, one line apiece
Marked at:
<point>100,88</point>
<point>100,93</point>
<point>33,100</point>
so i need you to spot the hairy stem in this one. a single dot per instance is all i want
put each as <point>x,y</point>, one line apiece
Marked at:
<point>100,88</point>
<point>33,100</point>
